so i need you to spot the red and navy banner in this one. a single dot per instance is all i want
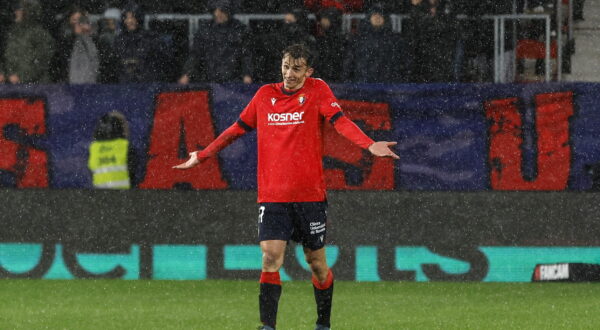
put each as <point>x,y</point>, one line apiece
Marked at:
<point>451,137</point>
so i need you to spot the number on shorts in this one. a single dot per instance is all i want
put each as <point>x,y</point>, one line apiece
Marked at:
<point>261,212</point>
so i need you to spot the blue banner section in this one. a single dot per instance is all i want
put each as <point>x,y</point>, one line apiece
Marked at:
<point>188,262</point>
<point>451,137</point>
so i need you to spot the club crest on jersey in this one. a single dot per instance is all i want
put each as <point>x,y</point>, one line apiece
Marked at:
<point>301,99</point>
<point>273,100</point>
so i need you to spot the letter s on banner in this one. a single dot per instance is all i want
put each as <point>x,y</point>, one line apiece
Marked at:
<point>23,165</point>
<point>181,115</point>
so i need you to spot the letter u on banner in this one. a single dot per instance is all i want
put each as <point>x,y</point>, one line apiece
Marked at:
<point>552,114</point>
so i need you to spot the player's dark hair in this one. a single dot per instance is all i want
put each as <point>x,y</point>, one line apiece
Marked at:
<point>298,51</point>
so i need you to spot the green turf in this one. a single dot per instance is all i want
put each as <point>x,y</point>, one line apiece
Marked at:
<point>118,304</point>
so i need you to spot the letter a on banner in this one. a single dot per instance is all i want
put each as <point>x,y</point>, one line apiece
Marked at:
<point>22,124</point>
<point>552,114</point>
<point>181,119</point>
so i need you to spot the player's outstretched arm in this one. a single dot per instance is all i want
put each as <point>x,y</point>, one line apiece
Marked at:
<point>224,139</point>
<point>193,161</point>
<point>382,149</point>
<point>348,129</point>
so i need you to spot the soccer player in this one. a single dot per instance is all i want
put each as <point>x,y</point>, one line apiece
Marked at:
<point>288,117</point>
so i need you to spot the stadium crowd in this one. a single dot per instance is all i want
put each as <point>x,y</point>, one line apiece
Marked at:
<point>57,42</point>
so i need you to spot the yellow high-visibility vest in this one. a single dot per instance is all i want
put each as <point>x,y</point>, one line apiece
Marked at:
<point>108,163</point>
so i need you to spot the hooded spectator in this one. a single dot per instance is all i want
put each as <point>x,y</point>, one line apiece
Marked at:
<point>331,45</point>
<point>76,60</point>
<point>268,6</point>
<point>83,62</point>
<point>139,52</point>
<point>220,51</point>
<point>268,46</point>
<point>392,6</point>
<point>432,42</point>
<point>108,29</point>
<point>375,53</point>
<point>5,21</point>
<point>29,46</point>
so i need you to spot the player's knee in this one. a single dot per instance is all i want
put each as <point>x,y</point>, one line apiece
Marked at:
<point>272,260</point>
<point>315,264</point>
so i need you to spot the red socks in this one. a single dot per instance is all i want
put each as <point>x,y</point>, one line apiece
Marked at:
<point>270,277</point>
<point>323,285</point>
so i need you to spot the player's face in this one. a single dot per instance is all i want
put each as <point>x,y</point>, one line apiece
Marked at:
<point>294,72</point>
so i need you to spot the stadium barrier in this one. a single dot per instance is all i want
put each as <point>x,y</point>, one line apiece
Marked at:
<point>373,236</point>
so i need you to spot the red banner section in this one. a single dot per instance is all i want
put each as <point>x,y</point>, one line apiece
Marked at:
<point>23,122</point>
<point>182,123</point>
<point>376,173</point>
<point>552,114</point>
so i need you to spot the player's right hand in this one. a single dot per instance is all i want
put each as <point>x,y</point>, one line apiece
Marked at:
<point>193,161</point>
<point>382,149</point>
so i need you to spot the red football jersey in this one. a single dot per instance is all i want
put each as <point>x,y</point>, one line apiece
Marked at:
<point>290,145</point>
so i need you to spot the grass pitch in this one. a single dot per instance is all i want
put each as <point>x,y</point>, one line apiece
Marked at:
<point>119,304</point>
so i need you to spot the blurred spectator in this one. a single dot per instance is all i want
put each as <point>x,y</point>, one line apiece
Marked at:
<point>331,45</point>
<point>479,47</point>
<point>6,17</point>
<point>2,76</point>
<point>220,51</point>
<point>269,6</point>
<point>390,6</point>
<point>578,10</point>
<point>108,29</point>
<point>268,46</point>
<point>76,59</point>
<point>84,61</point>
<point>176,6</point>
<point>28,46</point>
<point>375,53</point>
<point>109,25</point>
<point>346,6</point>
<point>139,52</point>
<point>432,42</point>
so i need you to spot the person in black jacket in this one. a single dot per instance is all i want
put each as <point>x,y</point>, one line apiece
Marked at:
<point>432,42</point>
<point>331,45</point>
<point>220,52</point>
<point>139,52</point>
<point>375,53</point>
<point>269,45</point>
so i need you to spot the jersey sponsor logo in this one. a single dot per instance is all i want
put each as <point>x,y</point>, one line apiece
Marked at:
<point>293,118</point>
<point>273,100</point>
<point>336,105</point>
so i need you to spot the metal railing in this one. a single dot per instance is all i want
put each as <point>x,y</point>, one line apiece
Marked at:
<point>500,43</point>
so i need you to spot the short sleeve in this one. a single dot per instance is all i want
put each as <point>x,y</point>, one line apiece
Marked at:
<point>329,106</point>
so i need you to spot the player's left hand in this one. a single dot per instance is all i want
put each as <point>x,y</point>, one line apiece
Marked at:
<point>193,161</point>
<point>382,149</point>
